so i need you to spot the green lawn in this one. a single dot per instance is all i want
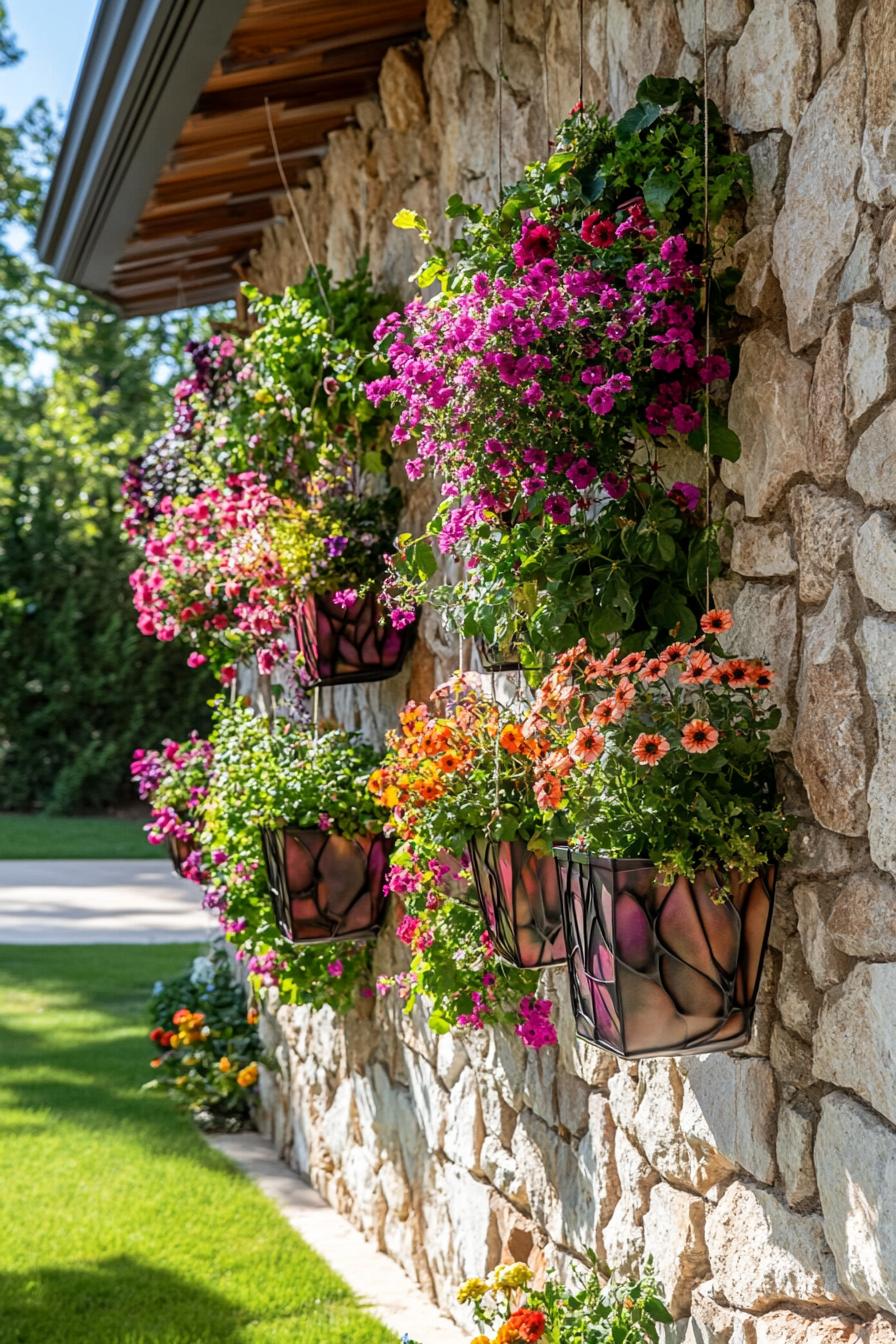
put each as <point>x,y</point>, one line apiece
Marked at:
<point>34,836</point>
<point>118,1225</point>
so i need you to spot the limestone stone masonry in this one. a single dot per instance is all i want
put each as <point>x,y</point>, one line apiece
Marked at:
<point>764,1183</point>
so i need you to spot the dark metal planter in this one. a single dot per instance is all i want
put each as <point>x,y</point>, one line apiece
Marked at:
<point>520,899</point>
<point>325,888</point>
<point>343,645</point>
<point>499,657</point>
<point>659,969</point>
<point>179,850</point>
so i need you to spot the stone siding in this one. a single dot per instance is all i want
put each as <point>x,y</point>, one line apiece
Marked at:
<point>762,1183</point>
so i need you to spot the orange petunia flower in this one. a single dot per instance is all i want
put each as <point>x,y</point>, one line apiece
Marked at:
<point>653,670</point>
<point>587,745</point>
<point>529,1325</point>
<point>762,677</point>
<point>698,669</point>
<point>512,739</point>
<point>596,669</point>
<point>449,761</point>
<point>624,693</point>
<point>650,748</point>
<point>548,792</point>
<point>699,736</point>
<point>674,653</point>
<point>736,673</point>
<point>717,621</point>
<point>629,664</point>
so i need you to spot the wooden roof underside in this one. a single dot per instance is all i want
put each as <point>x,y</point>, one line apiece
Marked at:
<point>314,60</point>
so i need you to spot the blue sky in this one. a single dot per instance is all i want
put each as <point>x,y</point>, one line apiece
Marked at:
<point>53,34</point>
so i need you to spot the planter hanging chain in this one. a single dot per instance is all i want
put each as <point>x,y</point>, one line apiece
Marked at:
<point>707,267</point>
<point>500,101</point>
<point>295,212</point>
<point>582,51</point>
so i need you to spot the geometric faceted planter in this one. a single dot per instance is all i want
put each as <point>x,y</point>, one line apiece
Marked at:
<point>323,887</point>
<point>342,645</point>
<point>499,657</point>
<point>519,894</point>
<point>178,850</point>
<point>658,968</point>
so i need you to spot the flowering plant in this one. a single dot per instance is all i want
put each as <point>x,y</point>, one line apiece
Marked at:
<point>665,757</point>
<point>208,1042</point>
<point>461,769</point>
<point>595,1309</point>
<point>564,350</point>
<point>174,781</point>
<point>634,569</point>
<point>271,483</point>
<point>266,774</point>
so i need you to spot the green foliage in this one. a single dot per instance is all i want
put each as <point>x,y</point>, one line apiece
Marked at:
<point>207,1041</point>
<point>655,150</point>
<point>265,774</point>
<point>80,685</point>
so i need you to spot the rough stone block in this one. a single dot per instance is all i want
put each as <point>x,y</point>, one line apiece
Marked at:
<point>825,528</point>
<point>769,410</point>
<point>875,560</point>
<point>877,643</point>
<point>673,1237</point>
<point>863,918</point>
<point>771,70</point>
<point>855,1045</point>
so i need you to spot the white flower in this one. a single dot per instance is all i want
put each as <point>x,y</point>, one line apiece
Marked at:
<point>203,972</point>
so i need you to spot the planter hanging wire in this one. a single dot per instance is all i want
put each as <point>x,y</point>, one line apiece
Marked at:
<point>662,969</point>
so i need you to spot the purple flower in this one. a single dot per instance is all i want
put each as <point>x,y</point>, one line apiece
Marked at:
<point>581,473</point>
<point>335,968</point>
<point>402,617</point>
<point>334,546</point>
<point>685,495</point>
<point>558,508</point>
<point>615,486</point>
<point>346,597</point>
<point>325,821</point>
<point>684,418</point>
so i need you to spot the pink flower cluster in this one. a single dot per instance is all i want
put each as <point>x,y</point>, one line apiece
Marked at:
<point>536,1028</point>
<point>211,572</point>
<point>521,394</point>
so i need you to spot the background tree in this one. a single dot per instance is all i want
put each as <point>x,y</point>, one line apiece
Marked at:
<point>81,392</point>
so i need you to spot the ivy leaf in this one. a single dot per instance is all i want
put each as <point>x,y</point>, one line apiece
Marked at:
<point>458,208</point>
<point>557,165</point>
<point>637,119</point>
<point>659,188</point>
<point>723,442</point>
<point>665,92</point>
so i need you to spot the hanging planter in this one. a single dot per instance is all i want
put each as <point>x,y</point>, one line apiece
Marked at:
<point>354,643</point>
<point>179,851</point>
<point>519,894</point>
<point>499,657</point>
<point>324,887</point>
<point>657,968</point>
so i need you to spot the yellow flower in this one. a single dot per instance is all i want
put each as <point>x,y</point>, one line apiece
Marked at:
<point>508,1277</point>
<point>181,1081</point>
<point>224,1064</point>
<point>472,1290</point>
<point>481,1339</point>
<point>249,1075</point>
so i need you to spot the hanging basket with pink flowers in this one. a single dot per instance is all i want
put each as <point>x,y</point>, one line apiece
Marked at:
<point>344,638</point>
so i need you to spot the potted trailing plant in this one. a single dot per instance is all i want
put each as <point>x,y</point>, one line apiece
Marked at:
<point>174,781</point>
<point>253,784</point>
<point>266,511</point>
<point>661,767</point>
<point>593,1307</point>
<point>460,777</point>
<point>565,354</point>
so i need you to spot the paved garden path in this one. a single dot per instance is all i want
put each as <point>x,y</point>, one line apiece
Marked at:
<point>98,901</point>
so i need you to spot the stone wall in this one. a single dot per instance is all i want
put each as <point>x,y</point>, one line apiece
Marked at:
<point>763,1183</point>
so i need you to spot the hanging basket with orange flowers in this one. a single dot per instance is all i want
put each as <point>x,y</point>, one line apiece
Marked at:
<point>661,767</point>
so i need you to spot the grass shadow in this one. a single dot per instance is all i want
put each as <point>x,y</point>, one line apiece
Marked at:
<point>115,1301</point>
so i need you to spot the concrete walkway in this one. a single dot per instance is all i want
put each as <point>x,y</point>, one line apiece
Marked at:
<point>381,1284</point>
<point>99,901</point>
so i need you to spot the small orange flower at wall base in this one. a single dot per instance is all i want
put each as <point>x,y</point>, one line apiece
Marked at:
<point>650,748</point>
<point>248,1076</point>
<point>224,1064</point>
<point>699,736</point>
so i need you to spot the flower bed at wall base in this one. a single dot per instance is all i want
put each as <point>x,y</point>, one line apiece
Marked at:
<point>596,1307</point>
<point>208,1044</point>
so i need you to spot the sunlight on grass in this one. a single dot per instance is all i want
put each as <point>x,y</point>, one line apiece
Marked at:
<point>128,1228</point>
<point>39,837</point>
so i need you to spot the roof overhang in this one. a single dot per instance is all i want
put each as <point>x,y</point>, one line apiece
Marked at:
<point>166,176</point>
